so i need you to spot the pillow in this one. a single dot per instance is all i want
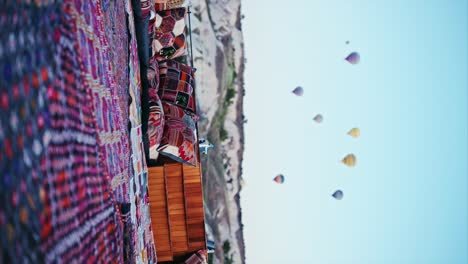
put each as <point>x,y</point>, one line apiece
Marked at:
<point>155,124</point>
<point>145,8</point>
<point>152,21</point>
<point>179,141</point>
<point>169,34</point>
<point>177,84</point>
<point>153,74</point>
<point>160,5</point>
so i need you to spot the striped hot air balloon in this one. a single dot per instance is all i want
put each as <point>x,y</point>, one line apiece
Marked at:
<point>279,179</point>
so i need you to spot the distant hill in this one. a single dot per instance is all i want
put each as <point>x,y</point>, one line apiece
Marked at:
<point>218,50</point>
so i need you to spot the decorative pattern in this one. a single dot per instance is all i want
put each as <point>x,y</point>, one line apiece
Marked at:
<point>97,75</point>
<point>179,141</point>
<point>140,231</point>
<point>169,34</point>
<point>152,21</point>
<point>143,244</point>
<point>27,38</point>
<point>153,75</point>
<point>56,201</point>
<point>115,26</point>
<point>161,5</point>
<point>66,164</point>
<point>84,147</point>
<point>177,84</point>
<point>155,124</point>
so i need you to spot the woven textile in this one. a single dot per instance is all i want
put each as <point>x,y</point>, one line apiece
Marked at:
<point>115,26</point>
<point>141,234</point>
<point>155,124</point>
<point>197,258</point>
<point>67,72</point>
<point>58,204</point>
<point>177,84</point>
<point>169,34</point>
<point>78,162</point>
<point>153,75</point>
<point>25,74</point>
<point>161,5</point>
<point>98,75</point>
<point>152,21</point>
<point>143,243</point>
<point>179,141</point>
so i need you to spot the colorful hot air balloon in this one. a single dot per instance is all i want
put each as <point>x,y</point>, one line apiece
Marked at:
<point>353,58</point>
<point>354,132</point>
<point>318,118</point>
<point>298,91</point>
<point>338,194</point>
<point>349,160</point>
<point>279,179</point>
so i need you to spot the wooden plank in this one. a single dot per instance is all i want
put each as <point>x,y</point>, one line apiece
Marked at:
<point>179,234</point>
<point>164,256</point>
<point>197,232</point>
<point>197,245</point>
<point>176,209</point>
<point>194,206</point>
<point>178,228</point>
<point>196,220</point>
<point>168,214</point>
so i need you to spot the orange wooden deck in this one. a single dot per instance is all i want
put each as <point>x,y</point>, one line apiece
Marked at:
<point>176,208</point>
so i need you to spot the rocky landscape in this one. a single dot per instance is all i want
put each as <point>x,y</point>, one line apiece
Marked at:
<point>218,54</point>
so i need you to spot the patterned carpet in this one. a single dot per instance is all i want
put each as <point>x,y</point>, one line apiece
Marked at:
<point>71,163</point>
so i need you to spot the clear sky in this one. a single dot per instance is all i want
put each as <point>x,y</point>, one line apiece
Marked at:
<point>406,200</point>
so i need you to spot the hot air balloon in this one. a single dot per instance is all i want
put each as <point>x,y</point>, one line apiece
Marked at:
<point>298,91</point>
<point>279,179</point>
<point>318,118</point>
<point>338,194</point>
<point>349,160</point>
<point>353,58</point>
<point>347,42</point>
<point>354,132</point>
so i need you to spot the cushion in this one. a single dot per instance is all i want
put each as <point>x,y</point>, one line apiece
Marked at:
<point>145,7</point>
<point>153,74</point>
<point>169,34</point>
<point>152,21</point>
<point>177,84</point>
<point>179,141</point>
<point>161,5</point>
<point>155,124</point>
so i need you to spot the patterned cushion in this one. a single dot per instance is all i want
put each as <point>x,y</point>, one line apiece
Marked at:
<point>179,140</point>
<point>177,84</point>
<point>160,5</point>
<point>155,124</point>
<point>169,34</point>
<point>152,21</point>
<point>145,7</point>
<point>153,75</point>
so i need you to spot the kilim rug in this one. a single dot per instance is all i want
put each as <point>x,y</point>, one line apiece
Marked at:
<point>142,238</point>
<point>56,204</point>
<point>68,70</point>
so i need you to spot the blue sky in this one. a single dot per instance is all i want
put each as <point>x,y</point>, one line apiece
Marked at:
<point>406,200</point>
